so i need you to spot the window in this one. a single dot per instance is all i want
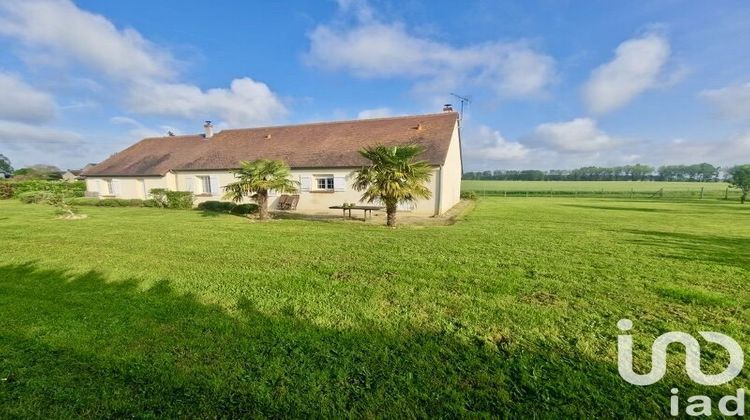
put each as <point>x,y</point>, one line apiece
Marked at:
<point>204,182</point>
<point>325,182</point>
<point>110,187</point>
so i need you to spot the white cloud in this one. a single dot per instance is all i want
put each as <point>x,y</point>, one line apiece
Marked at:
<point>147,72</point>
<point>246,102</point>
<point>731,102</point>
<point>372,49</point>
<point>59,27</point>
<point>137,130</point>
<point>580,135</point>
<point>375,113</point>
<point>636,68</point>
<point>17,134</point>
<point>488,144</point>
<point>22,102</point>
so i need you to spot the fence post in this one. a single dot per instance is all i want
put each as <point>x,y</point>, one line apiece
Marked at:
<point>702,192</point>
<point>632,192</point>
<point>726,194</point>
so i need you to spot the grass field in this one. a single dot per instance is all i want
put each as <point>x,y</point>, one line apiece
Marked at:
<point>511,311</point>
<point>623,189</point>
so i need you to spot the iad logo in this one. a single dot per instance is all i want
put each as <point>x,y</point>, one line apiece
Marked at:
<point>701,403</point>
<point>692,356</point>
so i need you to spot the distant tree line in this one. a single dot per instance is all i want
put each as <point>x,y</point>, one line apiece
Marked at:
<point>701,172</point>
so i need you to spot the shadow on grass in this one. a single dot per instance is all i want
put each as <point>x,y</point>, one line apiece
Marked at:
<point>77,345</point>
<point>684,246</point>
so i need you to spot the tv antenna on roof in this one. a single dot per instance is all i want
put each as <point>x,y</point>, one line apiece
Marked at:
<point>464,100</point>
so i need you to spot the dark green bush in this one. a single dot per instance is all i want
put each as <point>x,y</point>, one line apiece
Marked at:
<point>6,190</point>
<point>468,195</point>
<point>35,197</point>
<point>217,206</point>
<point>244,209</point>
<point>159,195</point>
<point>150,203</point>
<point>135,202</point>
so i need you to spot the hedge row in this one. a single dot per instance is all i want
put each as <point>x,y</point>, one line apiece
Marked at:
<point>11,189</point>
<point>228,207</point>
<point>111,202</point>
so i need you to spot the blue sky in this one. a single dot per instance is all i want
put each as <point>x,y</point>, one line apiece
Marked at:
<point>554,84</point>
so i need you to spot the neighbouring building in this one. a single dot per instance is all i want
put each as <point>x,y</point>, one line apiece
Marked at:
<point>76,174</point>
<point>322,157</point>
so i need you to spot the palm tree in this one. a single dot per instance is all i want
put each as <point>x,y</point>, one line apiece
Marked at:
<point>393,177</point>
<point>256,178</point>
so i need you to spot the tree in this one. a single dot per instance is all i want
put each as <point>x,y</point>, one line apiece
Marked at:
<point>256,178</point>
<point>739,177</point>
<point>393,177</point>
<point>5,165</point>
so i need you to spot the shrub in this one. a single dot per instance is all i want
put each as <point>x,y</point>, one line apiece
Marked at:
<point>468,195</point>
<point>159,195</point>
<point>135,202</point>
<point>244,208</point>
<point>217,206</point>
<point>67,189</point>
<point>150,203</point>
<point>83,201</point>
<point>112,202</point>
<point>172,199</point>
<point>6,190</point>
<point>37,197</point>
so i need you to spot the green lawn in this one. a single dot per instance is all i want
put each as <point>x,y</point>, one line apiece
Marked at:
<point>511,311</point>
<point>622,189</point>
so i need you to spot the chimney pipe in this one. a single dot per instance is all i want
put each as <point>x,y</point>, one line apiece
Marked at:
<point>448,108</point>
<point>209,129</point>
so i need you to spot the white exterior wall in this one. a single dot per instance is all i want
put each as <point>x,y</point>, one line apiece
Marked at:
<point>311,200</point>
<point>128,187</point>
<point>450,175</point>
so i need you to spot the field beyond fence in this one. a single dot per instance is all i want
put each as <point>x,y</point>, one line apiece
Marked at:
<point>613,189</point>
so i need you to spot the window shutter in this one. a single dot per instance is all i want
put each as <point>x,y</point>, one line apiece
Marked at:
<point>305,183</point>
<point>339,183</point>
<point>96,187</point>
<point>215,189</point>
<point>189,184</point>
<point>115,187</point>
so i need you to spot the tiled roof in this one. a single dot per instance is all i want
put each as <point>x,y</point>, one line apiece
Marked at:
<point>317,145</point>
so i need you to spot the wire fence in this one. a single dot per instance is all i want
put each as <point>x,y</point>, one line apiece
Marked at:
<point>699,193</point>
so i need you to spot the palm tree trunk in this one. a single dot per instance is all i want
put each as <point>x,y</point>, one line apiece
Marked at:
<point>263,205</point>
<point>390,210</point>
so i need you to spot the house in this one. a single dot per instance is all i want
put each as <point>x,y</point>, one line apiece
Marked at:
<point>322,157</point>
<point>75,174</point>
